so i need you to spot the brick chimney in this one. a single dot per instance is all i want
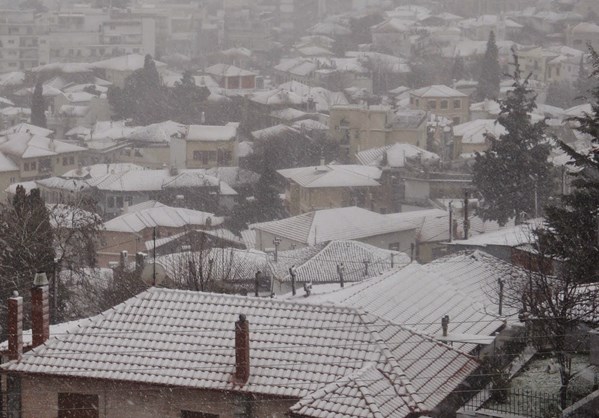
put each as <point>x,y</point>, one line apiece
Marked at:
<point>40,310</point>
<point>242,350</point>
<point>15,327</point>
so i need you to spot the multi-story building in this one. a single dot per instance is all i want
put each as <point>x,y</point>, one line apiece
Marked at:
<point>442,101</point>
<point>583,34</point>
<point>21,38</point>
<point>358,128</point>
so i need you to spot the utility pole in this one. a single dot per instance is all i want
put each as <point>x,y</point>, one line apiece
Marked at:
<point>340,270</point>
<point>500,282</point>
<point>257,282</point>
<point>154,256</point>
<point>466,218</point>
<point>276,242</point>
<point>292,273</point>
<point>450,220</point>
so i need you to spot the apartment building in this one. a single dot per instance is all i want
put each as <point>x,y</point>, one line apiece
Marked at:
<point>21,38</point>
<point>442,101</point>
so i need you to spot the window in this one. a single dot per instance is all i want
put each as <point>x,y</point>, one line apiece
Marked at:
<point>119,201</point>
<point>71,160</point>
<point>457,104</point>
<point>444,104</point>
<point>193,414</point>
<point>197,155</point>
<point>65,161</point>
<point>432,104</point>
<point>78,405</point>
<point>33,165</point>
<point>25,166</point>
<point>456,121</point>
<point>110,202</point>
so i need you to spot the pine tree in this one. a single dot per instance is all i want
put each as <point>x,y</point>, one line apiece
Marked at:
<point>188,100</point>
<point>514,176</point>
<point>572,235</point>
<point>458,69</point>
<point>490,72</point>
<point>38,106</point>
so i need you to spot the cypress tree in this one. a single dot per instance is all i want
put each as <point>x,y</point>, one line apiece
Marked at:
<point>38,106</point>
<point>490,73</point>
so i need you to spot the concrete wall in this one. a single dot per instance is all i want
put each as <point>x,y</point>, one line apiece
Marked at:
<point>117,400</point>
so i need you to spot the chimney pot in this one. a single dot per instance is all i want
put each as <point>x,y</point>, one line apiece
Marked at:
<point>40,314</point>
<point>242,350</point>
<point>445,325</point>
<point>15,327</point>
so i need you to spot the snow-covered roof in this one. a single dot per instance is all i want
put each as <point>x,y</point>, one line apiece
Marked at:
<point>276,131</point>
<point>27,128</point>
<point>397,154</point>
<point>279,366</point>
<point>6,164</point>
<point>508,237</point>
<point>333,224</point>
<point>162,216</point>
<point>476,274</point>
<point>412,296</point>
<point>360,262</point>
<point>585,27</point>
<point>5,102</point>
<point>234,176</point>
<point>14,78</point>
<point>64,67</point>
<point>157,132</point>
<point>476,131</point>
<point>152,180</point>
<point>227,132</point>
<point>26,145</point>
<point>323,98</point>
<point>124,63</point>
<point>70,184</point>
<point>74,111</point>
<point>288,114</point>
<point>437,90</point>
<point>100,170</point>
<point>225,70</point>
<point>307,125</point>
<point>333,176</point>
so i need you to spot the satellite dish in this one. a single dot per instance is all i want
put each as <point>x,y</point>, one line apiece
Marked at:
<point>147,274</point>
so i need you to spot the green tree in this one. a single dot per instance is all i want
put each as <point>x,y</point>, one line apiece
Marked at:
<point>490,72</point>
<point>144,98</point>
<point>188,100</point>
<point>26,245</point>
<point>574,222</point>
<point>38,106</point>
<point>458,69</point>
<point>514,176</point>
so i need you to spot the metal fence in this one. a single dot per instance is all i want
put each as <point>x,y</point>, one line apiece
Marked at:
<point>524,403</point>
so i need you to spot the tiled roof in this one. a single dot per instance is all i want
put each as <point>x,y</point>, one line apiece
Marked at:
<point>163,216</point>
<point>227,132</point>
<point>27,145</point>
<point>417,298</point>
<point>321,267</point>
<point>438,90</point>
<point>333,224</point>
<point>476,274</point>
<point>397,154</point>
<point>186,339</point>
<point>334,176</point>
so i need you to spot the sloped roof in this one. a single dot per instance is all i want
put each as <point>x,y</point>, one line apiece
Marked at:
<point>225,70</point>
<point>26,145</point>
<point>321,267</point>
<point>163,216</point>
<point>15,78</point>
<point>416,297</point>
<point>227,132</point>
<point>27,128</point>
<point>438,90</point>
<point>6,164</point>
<point>100,170</point>
<point>151,180</point>
<point>397,154</point>
<point>333,176</point>
<point>157,132</point>
<point>333,224</point>
<point>154,338</point>
<point>129,62</point>
<point>476,131</point>
<point>476,274</point>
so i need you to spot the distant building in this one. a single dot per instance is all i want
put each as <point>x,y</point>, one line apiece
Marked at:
<point>442,101</point>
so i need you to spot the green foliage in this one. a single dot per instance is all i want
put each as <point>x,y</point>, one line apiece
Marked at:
<point>38,106</point>
<point>188,100</point>
<point>573,222</point>
<point>490,72</point>
<point>458,69</point>
<point>515,168</point>
<point>25,245</point>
